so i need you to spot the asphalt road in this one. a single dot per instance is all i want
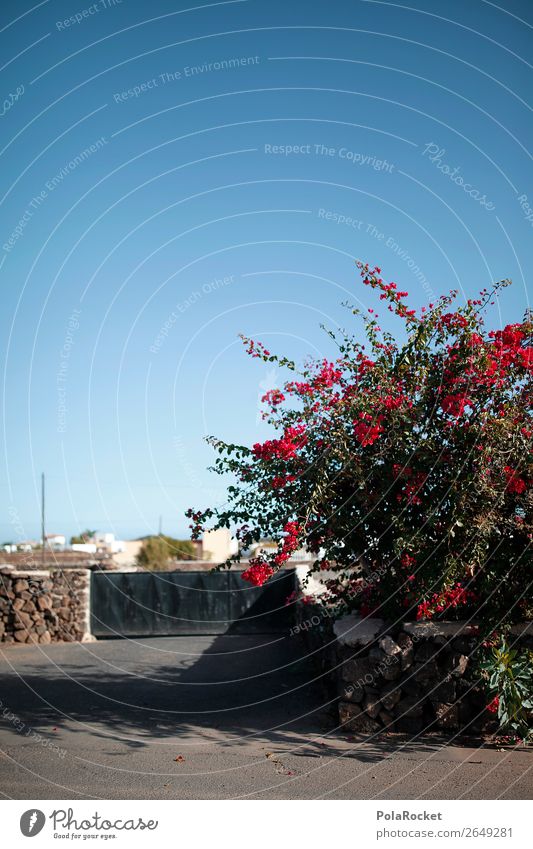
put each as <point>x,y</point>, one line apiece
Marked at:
<point>211,718</point>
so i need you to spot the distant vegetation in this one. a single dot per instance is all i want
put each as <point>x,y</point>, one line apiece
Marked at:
<point>160,552</point>
<point>81,539</point>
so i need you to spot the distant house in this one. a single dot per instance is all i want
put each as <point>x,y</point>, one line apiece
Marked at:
<point>126,557</point>
<point>107,542</point>
<point>100,543</point>
<point>85,547</point>
<point>55,541</point>
<point>269,546</point>
<point>218,545</point>
<point>25,545</point>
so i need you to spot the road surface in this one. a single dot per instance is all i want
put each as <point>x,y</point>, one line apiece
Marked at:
<point>211,718</point>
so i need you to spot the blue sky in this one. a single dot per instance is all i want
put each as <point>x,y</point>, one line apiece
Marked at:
<point>174,175</point>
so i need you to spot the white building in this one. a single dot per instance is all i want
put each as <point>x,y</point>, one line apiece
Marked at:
<point>107,542</point>
<point>86,547</point>
<point>101,542</point>
<point>218,545</point>
<point>55,541</point>
<point>126,558</point>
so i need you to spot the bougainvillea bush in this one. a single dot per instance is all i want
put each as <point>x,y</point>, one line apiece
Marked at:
<point>404,466</point>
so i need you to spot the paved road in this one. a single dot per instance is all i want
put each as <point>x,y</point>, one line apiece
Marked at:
<point>209,718</point>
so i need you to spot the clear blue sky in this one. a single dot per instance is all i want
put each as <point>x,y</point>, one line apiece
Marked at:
<point>189,218</point>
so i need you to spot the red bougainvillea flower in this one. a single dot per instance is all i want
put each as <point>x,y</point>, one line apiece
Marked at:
<point>492,706</point>
<point>280,481</point>
<point>289,543</point>
<point>515,484</point>
<point>455,404</point>
<point>367,430</point>
<point>444,601</point>
<point>285,448</point>
<point>255,349</point>
<point>274,397</point>
<point>407,560</point>
<point>257,573</point>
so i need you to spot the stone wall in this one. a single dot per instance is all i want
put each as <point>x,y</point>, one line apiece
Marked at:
<point>412,678</point>
<point>44,606</point>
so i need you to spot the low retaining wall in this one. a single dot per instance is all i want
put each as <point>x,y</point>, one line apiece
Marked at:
<point>412,678</point>
<point>44,606</point>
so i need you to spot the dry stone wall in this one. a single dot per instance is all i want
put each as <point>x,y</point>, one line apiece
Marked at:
<point>412,678</point>
<point>44,606</point>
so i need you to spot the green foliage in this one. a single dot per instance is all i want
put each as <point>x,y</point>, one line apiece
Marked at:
<point>154,554</point>
<point>158,553</point>
<point>180,549</point>
<point>85,537</point>
<point>509,679</point>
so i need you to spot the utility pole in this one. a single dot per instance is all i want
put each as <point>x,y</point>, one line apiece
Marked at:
<point>160,525</point>
<point>43,536</point>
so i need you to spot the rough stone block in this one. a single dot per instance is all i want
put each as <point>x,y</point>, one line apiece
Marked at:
<point>388,720</point>
<point>23,619</point>
<point>427,651</point>
<point>352,718</point>
<point>392,668</point>
<point>407,659</point>
<point>354,631</point>
<point>406,645</point>
<point>390,696</point>
<point>446,691</point>
<point>359,671</point>
<point>377,656</point>
<point>351,692</point>
<point>422,630</point>
<point>410,707</point>
<point>447,715</point>
<point>457,664</point>
<point>389,646</point>
<point>372,705</point>
<point>45,637</point>
<point>409,715</point>
<point>427,672</point>
<point>404,640</point>
<point>464,645</point>
<point>410,686</point>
